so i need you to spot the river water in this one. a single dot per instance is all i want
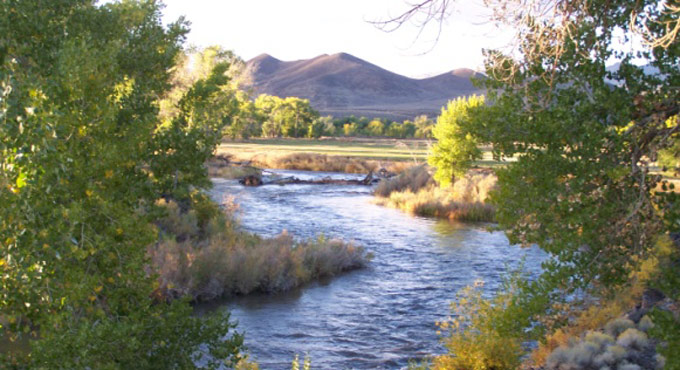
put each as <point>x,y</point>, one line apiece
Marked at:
<point>378,317</point>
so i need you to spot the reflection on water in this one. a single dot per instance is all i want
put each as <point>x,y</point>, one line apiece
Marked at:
<point>379,317</point>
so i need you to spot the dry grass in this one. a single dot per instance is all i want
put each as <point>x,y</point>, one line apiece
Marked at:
<point>464,201</point>
<point>227,261</point>
<point>350,155</point>
<point>233,172</point>
<point>223,166</point>
<point>412,179</point>
<point>322,162</point>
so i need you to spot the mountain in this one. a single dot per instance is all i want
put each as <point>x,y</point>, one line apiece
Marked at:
<point>342,85</point>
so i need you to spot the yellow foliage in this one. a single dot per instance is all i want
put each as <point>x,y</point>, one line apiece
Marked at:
<point>475,340</point>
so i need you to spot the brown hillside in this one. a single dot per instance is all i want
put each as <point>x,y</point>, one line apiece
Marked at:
<point>341,85</point>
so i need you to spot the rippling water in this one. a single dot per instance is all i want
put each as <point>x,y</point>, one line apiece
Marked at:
<point>379,317</point>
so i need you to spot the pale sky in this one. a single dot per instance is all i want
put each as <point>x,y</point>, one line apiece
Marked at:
<point>301,29</point>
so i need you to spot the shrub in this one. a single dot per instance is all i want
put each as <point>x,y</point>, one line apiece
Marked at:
<point>222,260</point>
<point>608,313</point>
<point>484,334</point>
<point>633,338</point>
<point>464,201</point>
<point>631,350</point>
<point>645,324</point>
<point>412,179</point>
<point>618,326</point>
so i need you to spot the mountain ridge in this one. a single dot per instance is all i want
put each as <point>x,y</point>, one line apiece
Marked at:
<point>341,84</point>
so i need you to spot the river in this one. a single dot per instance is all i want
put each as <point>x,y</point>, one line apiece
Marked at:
<point>378,317</point>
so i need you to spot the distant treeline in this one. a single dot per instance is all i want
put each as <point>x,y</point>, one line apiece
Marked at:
<point>268,115</point>
<point>271,116</point>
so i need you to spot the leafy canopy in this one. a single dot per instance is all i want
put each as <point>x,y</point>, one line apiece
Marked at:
<point>84,158</point>
<point>586,137</point>
<point>455,149</point>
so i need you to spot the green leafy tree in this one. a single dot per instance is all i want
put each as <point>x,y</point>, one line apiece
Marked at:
<point>247,120</point>
<point>266,106</point>
<point>194,65</point>
<point>328,127</point>
<point>295,116</point>
<point>394,130</point>
<point>290,117</point>
<point>408,129</point>
<point>455,149</point>
<point>316,129</point>
<point>375,128</point>
<point>424,127</point>
<point>350,129</point>
<point>586,137</point>
<point>669,158</point>
<point>84,158</point>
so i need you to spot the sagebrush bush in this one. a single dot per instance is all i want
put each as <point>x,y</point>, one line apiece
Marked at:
<point>219,259</point>
<point>645,324</point>
<point>618,326</point>
<point>633,339</point>
<point>621,346</point>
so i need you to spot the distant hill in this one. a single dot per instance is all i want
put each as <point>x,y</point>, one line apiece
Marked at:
<point>342,85</point>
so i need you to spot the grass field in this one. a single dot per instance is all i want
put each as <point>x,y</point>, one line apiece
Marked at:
<point>378,149</point>
<point>398,150</point>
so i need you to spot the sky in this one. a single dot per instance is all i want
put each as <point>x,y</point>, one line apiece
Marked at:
<point>302,29</point>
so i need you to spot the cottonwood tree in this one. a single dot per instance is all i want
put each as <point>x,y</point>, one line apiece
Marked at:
<point>583,187</point>
<point>455,149</point>
<point>290,117</point>
<point>84,158</point>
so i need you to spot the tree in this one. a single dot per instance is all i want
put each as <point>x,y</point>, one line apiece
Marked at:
<point>247,120</point>
<point>375,128</point>
<point>350,129</point>
<point>394,130</point>
<point>408,129</point>
<point>193,65</point>
<point>267,105</point>
<point>328,126</point>
<point>84,158</point>
<point>586,137</point>
<point>455,149</point>
<point>424,127</point>
<point>669,158</point>
<point>290,117</point>
<point>295,116</point>
<point>317,128</point>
